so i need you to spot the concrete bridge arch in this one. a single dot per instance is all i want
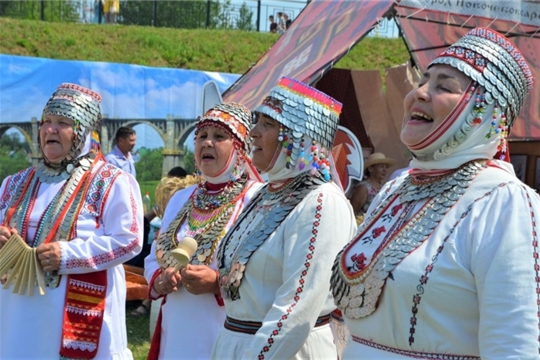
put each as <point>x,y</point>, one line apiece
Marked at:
<point>173,131</point>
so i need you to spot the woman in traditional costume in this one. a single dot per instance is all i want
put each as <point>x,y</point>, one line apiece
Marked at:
<point>84,217</point>
<point>375,168</point>
<point>192,310</point>
<point>445,266</point>
<point>274,264</point>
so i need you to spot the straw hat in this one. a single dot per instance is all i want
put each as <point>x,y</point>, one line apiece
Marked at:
<point>378,158</point>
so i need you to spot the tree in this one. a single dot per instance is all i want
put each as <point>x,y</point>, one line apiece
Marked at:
<point>150,165</point>
<point>53,10</point>
<point>224,20</point>
<point>189,160</point>
<point>176,14</point>
<point>245,19</point>
<point>191,14</point>
<point>13,155</point>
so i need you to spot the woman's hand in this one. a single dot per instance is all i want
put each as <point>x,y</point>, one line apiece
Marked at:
<point>200,279</point>
<point>167,282</point>
<point>49,255</point>
<point>5,234</point>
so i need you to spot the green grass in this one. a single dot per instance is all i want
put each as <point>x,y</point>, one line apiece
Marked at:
<point>138,332</point>
<point>150,187</point>
<point>229,51</point>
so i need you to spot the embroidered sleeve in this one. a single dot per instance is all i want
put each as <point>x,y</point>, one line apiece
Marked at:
<point>505,265</point>
<point>113,238</point>
<point>8,189</point>
<point>310,240</point>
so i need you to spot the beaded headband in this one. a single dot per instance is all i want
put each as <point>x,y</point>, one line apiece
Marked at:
<point>81,105</point>
<point>304,110</point>
<point>78,104</point>
<point>496,64</point>
<point>234,117</point>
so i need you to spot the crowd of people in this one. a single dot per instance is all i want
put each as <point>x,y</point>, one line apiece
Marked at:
<point>283,23</point>
<point>444,263</point>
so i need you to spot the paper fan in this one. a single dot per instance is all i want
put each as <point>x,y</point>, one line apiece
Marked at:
<point>20,263</point>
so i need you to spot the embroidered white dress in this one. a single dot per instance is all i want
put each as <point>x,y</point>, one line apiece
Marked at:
<point>471,290</point>
<point>190,323</point>
<point>285,282</point>
<point>31,326</point>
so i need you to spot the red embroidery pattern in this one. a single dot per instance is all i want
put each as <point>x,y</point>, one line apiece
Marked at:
<point>413,354</point>
<point>358,262</point>
<point>424,278</point>
<point>102,258</point>
<point>300,288</point>
<point>134,224</point>
<point>98,189</point>
<point>535,255</point>
<point>12,186</point>
<point>375,233</point>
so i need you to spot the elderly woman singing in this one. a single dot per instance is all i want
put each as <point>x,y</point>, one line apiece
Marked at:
<point>192,310</point>
<point>274,264</point>
<point>445,266</point>
<point>83,216</point>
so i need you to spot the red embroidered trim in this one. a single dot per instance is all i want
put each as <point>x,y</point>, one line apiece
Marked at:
<point>103,258</point>
<point>218,296</point>
<point>155,344</point>
<point>300,288</point>
<point>535,256</point>
<point>134,229</point>
<point>11,210</point>
<point>424,278</point>
<point>411,353</point>
<point>83,315</point>
<point>151,284</point>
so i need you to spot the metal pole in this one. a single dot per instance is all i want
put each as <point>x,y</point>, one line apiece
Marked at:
<point>259,15</point>
<point>100,12</point>
<point>208,13</point>
<point>42,10</point>
<point>155,13</point>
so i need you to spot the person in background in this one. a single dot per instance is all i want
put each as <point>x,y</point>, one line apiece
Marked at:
<point>179,174</point>
<point>192,310</point>
<point>111,8</point>
<point>274,264</point>
<point>375,168</point>
<point>120,156</point>
<point>288,22</point>
<point>273,24</point>
<point>281,23</point>
<point>445,265</point>
<point>83,217</point>
<point>176,172</point>
<point>99,16</point>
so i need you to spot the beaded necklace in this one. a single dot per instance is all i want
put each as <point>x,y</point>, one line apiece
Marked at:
<point>207,216</point>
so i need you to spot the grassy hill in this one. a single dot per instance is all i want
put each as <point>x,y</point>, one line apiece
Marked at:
<point>210,50</point>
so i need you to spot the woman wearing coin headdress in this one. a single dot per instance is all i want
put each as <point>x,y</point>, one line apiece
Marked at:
<point>274,264</point>
<point>192,309</point>
<point>84,217</point>
<point>445,265</point>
